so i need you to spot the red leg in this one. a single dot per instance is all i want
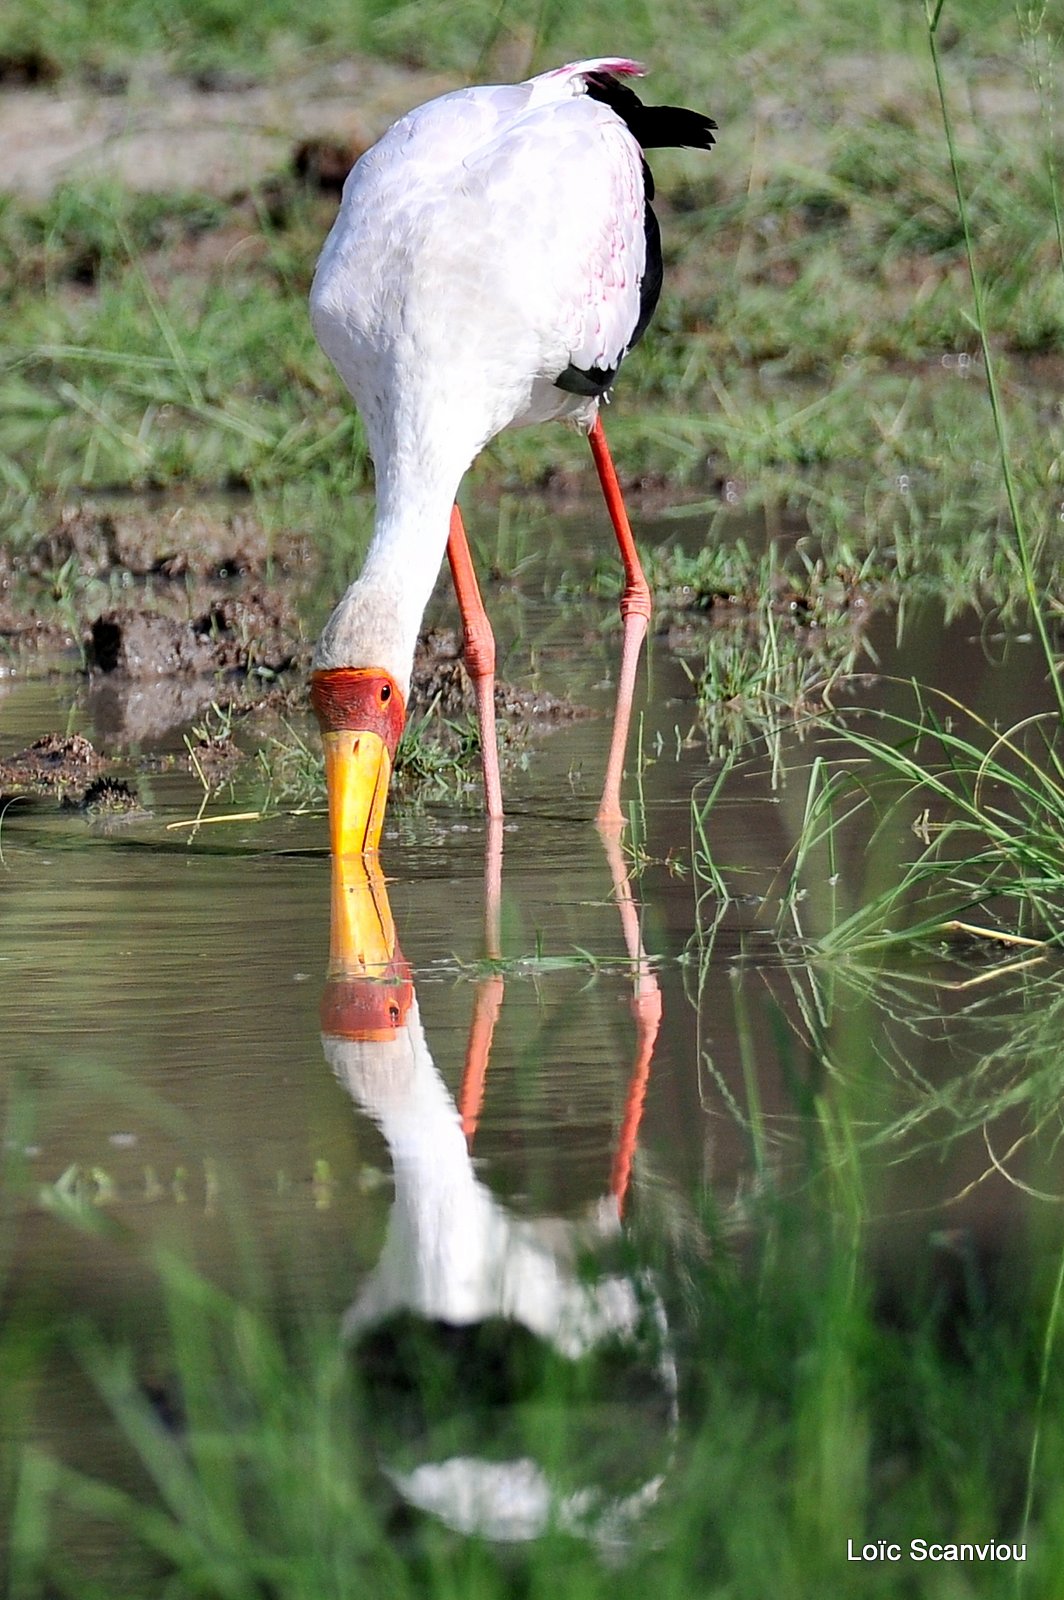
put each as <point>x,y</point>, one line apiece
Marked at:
<point>635,616</point>
<point>487,1003</point>
<point>489,995</point>
<point>647,1012</point>
<point>479,657</point>
<point>646,1009</point>
<point>493,888</point>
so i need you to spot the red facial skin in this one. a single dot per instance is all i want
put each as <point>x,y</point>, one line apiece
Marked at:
<point>361,713</point>
<point>359,699</point>
<point>370,989</point>
<point>367,1009</point>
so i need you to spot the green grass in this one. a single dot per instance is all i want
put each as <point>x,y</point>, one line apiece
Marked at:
<point>152,378</point>
<point>986,802</point>
<point>810,303</point>
<point>147,381</point>
<point>756,678</point>
<point>75,35</point>
<point>813,1409</point>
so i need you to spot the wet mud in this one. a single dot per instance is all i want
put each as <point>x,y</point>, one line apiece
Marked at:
<point>69,772</point>
<point>183,615</point>
<point>169,610</point>
<point>441,684</point>
<point>53,762</point>
<point>191,619</point>
<point>237,635</point>
<point>167,542</point>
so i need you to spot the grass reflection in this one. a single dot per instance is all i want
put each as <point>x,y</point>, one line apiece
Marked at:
<point>864,1331</point>
<point>824,1396</point>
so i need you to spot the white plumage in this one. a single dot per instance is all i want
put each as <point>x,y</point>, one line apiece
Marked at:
<point>488,240</point>
<point>488,268</point>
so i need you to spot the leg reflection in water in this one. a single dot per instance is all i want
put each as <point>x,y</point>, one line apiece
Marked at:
<point>519,1383</point>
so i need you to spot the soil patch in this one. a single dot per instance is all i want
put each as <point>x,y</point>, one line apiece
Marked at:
<point>168,542</point>
<point>209,613</point>
<point>208,608</point>
<point>207,629</point>
<point>68,768</point>
<point>440,683</point>
<point>218,135</point>
<point>239,634</point>
<point>58,763</point>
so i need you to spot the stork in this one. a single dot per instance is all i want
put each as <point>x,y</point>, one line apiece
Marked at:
<point>494,259</point>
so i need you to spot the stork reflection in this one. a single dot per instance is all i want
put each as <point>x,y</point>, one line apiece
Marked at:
<point>499,1347</point>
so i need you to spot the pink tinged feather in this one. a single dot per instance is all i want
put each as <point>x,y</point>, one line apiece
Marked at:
<point>580,69</point>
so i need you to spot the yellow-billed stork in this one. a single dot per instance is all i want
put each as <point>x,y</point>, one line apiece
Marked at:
<point>494,259</point>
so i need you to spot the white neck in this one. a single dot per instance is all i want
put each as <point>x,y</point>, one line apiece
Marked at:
<point>453,1251</point>
<point>420,464</point>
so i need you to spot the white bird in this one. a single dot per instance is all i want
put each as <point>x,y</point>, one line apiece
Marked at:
<point>456,1257</point>
<point>494,259</point>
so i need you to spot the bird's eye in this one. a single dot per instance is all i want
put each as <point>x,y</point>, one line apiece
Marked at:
<point>386,693</point>
<point>393,1012</point>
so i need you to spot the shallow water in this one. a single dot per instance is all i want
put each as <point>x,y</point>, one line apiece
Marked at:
<point>161,1011</point>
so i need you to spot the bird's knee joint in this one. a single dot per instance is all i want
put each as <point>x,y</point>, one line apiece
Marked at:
<point>636,601</point>
<point>479,656</point>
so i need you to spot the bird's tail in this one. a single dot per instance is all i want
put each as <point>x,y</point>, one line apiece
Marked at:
<point>652,127</point>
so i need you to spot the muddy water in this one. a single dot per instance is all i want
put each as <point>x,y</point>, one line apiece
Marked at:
<point>167,1080</point>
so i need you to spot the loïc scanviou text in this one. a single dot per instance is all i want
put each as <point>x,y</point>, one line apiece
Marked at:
<point>932,1550</point>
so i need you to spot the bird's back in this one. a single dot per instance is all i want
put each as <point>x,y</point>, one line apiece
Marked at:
<point>491,239</point>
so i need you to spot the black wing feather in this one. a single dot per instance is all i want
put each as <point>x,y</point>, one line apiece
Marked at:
<point>653,128</point>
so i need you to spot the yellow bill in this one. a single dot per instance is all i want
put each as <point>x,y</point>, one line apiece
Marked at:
<point>357,772</point>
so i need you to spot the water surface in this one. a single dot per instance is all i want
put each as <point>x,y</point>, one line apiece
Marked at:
<point>167,1075</point>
